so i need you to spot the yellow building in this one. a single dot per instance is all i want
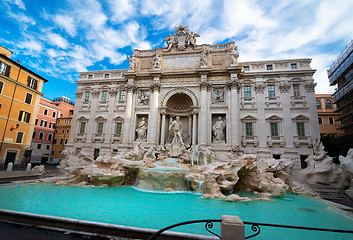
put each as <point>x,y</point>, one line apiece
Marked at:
<point>20,92</point>
<point>61,137</point>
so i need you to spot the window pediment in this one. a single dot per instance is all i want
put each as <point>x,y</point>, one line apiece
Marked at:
<point>300,117</point>
<point>274,118</point>
<point>100,119</point>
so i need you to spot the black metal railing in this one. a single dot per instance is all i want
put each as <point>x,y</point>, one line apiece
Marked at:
<point>255,227</point>
<point>208,226</point>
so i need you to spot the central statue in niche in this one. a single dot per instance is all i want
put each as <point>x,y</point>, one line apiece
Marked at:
<point>177,132</point>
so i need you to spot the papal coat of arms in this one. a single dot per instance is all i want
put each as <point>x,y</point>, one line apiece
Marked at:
<point>182,39</point>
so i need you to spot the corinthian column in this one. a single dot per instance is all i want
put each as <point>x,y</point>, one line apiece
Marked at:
<point>163,127</point>
<point>233,86</point>
<point>153,119</point>
<point>127,132</point>
<point>203,131</point>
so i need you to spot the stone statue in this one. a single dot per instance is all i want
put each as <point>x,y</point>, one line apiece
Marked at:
<point>170,41</point>
<point>192,39</point>
<point>177,132</point>
<point>218,131</point>
<point>142,131</point>
<point>157,62</point>
<point>143,98</point>
<point>203,59</point>
<point>234,57</point>
<point>131,62</point>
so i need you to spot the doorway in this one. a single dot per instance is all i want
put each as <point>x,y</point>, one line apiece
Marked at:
<point>96,154</point>
<point>10,157</point>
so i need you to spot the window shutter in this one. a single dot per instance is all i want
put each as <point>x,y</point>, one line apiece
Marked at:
<point>28,117</point>
<point>7,71</point>
<point>35,84</point>
<point>29,81</point>
<point>20,116</point>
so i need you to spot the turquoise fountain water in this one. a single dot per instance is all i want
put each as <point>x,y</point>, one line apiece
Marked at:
<point>131,207</point>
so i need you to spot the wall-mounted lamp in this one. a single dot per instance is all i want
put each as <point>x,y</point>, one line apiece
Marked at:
<point>12,128</point>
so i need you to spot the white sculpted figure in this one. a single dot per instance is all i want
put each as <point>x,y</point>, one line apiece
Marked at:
<point>234,57</point>
<point>131,62</point>
<point>177,132</point>
<point>218,130</point>
<point>142,131</point>
<point>170,41</point>
<point>203,59</point>
<point>143,98</point>
<point>157,62</point>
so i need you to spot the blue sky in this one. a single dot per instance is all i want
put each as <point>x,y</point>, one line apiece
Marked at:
<point>59,39</point>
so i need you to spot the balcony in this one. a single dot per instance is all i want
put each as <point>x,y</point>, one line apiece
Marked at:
<point>302,140</point>
<point>98,137</point>
<point>80,137</point>
<point>247,101</point>
<point>116,138</point>
<point>271,140</point>
<point>270,101</point>
<point>298,101</point>
<point>103,106</point>
<point>86,106</point>
<point>250,140</point>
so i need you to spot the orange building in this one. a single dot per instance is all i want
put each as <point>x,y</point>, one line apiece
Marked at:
<point>43,135</point>
<point>20,93</point>
<point>62,127</point>
<point>327,115</point>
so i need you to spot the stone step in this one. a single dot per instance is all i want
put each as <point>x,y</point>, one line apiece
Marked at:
<point>331,194</point>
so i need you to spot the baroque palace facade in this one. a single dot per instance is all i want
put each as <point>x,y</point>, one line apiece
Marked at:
<point>264,107</point>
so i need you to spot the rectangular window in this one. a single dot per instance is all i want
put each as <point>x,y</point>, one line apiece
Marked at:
<point>300,129</point>
<point>41,135</point>
<point>39,146</point>
<point>1,86</point>
<point>65,141</point>
<point>320,120</point>
<point>104,96</point>
<point>274,129</point>
<point>54,114</point>
<point>34,134</point>
<point>100,128</point>
<point>269,67</point>
<point>68,130</point>
<point>71,112</point>
<point>87,96</point>
<point>48,147</point>
<point>32,83</point>
<point>52,125</point>
<point>296,90</point>
<point>106,75</point>
<point>293,66</point>
<point>45,112</point>
<point>69,121</point>
<point>330,120</point>
<point>248,129</point>
<point>122,95</point>
<point>247,92</point>
<point>19,137</point>
<point>246,68</point>
<point>36,122</point>
<point>63,131</point>
<point>82,127</point>
<point>55,140</point>
<point>43,123</point>
<point>50,136</point>
<point>118,128</point>
<point>58,121</point>
<point>5,69</point>
<point>24,116</point>
<point>271,91</point>
<point>61,141</point>
<point>65,121</point>
<point>90,76</point>
<point>28,99</point>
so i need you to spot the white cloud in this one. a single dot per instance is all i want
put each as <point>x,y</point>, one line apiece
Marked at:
<point>121,9</point>
<point>31,45</point>
<point>23,19</point>
<point>19,3</point>
<point>58,40</point>
<point>67,23</point>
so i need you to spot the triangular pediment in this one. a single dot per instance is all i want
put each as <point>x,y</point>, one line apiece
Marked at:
<point>274,117</point>
<point>249,118</point>
<point>300,117</point>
